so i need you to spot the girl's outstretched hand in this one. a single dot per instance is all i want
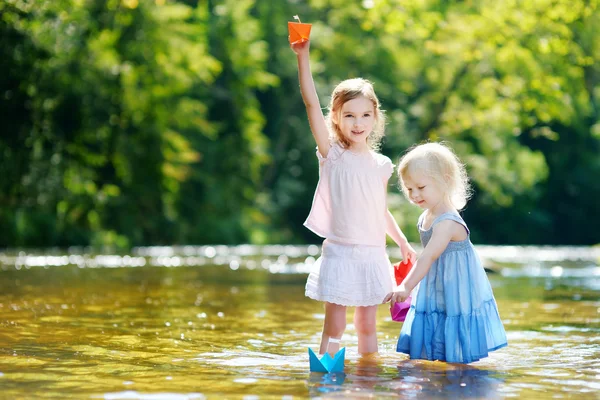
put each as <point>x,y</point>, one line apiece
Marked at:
<point>300,48</point>
<point>408,253</point>
<point>398,295</point>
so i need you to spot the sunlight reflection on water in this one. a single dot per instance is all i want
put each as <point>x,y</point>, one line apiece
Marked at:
<point>540,260</point>
<point>196,322</point>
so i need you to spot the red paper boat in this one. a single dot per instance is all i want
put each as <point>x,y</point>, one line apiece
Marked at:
<point>400,309</point>
<point>402,269</point>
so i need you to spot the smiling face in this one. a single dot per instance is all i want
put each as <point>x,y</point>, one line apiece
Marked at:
<point>424,191</point>
<point>356,120</point>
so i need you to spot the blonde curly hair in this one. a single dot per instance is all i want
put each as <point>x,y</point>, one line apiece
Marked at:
<point>347,90</point>
<point>438,162</point>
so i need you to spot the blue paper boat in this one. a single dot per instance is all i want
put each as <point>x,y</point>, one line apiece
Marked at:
<point>326,363</point>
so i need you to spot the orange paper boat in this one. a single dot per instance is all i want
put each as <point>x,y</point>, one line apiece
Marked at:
<point>299,32</point>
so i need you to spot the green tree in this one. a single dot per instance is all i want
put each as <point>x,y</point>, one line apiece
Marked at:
<point>102,97</point>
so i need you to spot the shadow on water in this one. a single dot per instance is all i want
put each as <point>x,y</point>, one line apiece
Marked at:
<point>370,377</point>
<point>449,382</point>
<point>219,322</point>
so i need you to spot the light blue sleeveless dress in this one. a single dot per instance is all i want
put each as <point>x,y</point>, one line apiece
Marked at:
<point>453,316</point>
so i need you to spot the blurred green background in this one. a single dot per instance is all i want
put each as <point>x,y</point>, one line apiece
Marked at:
<point>151,122</point>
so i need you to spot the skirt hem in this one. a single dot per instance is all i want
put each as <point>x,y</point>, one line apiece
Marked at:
<point>344,302</point>
<point>474,358</point>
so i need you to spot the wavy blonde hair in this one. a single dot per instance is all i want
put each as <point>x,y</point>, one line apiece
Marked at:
<point>438,162</point>
<point>348,90</point>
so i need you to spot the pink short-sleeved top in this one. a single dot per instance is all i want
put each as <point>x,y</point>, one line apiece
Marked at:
<point>350,204</point>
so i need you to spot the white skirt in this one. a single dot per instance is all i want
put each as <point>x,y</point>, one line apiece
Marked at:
<point>351,275</point>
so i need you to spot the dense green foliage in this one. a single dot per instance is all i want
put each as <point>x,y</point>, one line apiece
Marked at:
<point>131,122</point>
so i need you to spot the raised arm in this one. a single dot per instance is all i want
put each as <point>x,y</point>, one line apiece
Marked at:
<point>311,100</point>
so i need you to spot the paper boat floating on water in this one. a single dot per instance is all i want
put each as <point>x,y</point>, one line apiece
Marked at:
<point>327,363</point>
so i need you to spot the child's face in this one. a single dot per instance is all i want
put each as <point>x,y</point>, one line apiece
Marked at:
<point>356,119</point>
<point>423,191</point>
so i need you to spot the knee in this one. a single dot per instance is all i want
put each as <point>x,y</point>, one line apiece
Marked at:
<point>335,320</point>
<point>335,329</point>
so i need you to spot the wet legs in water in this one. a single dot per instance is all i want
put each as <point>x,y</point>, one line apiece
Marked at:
<point>365,323</point>
<point>333,328</point>
<point>335,325</point>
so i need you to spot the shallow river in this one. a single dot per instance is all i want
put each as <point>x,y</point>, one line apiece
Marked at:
<point>233,322</point>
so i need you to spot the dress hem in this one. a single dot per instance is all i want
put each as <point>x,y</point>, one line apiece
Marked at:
<point>475,358</point>
<point>343,302</point>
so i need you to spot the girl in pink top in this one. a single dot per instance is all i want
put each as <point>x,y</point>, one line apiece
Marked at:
<point>349,208</point>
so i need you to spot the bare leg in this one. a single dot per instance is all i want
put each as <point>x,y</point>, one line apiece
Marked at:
<point>333,327</point>
<point>365,319</point>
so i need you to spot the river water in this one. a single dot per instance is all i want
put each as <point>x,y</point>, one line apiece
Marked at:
<point>204,322</point>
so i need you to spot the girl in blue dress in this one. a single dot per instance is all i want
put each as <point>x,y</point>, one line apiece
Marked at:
<point>453,316</point>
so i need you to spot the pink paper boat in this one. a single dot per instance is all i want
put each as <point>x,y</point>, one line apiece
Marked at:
<point>400,310</point>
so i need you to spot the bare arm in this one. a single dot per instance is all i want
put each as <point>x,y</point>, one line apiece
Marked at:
<point>310,98</point>
<point>394,231</point>
<point>441,236</point>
